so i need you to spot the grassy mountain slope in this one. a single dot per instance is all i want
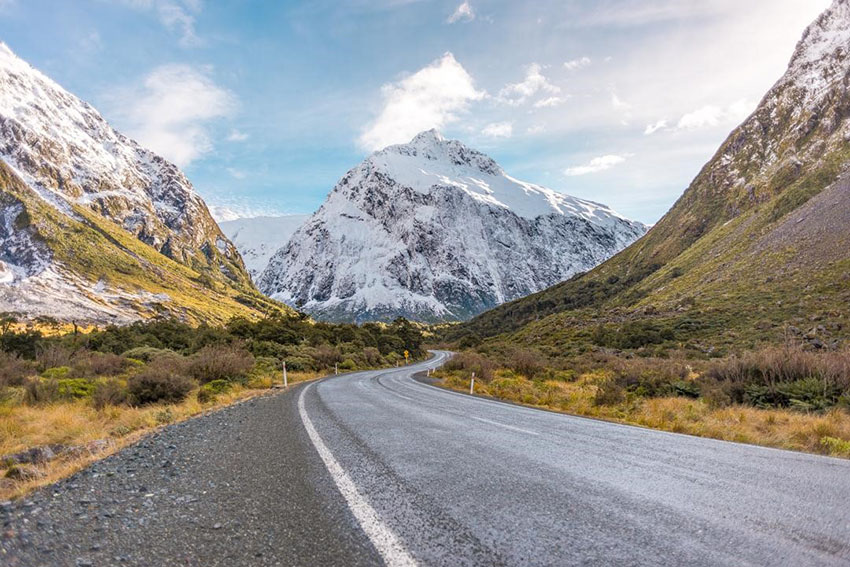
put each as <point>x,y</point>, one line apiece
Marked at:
<point>756,247</point>
<point>107,272</point>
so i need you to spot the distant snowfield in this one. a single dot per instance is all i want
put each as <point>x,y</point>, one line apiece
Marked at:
<point>258,238</point>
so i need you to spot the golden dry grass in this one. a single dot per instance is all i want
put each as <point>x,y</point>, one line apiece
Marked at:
<point>827,434</point>
<point>77,423</point>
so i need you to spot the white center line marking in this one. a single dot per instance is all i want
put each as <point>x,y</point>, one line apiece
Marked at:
<point>506,426</point>
<point>382,537</point>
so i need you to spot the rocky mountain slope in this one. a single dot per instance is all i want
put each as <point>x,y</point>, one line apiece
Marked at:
<point>95,227</point>
<point>757,246</point>
<point>433,230</point>
<point>258,238</point>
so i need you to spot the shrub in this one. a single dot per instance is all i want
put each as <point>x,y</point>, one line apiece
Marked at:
<point>300,364</point>
<point>13,370</point>
<point>783,377</point>
<point>372,356</point>
<point>38,391</point>
<point>110,392</point>
<point>609,393</point>
<point>347,364</point>
<point>469,362</point>
<point>158,383</point>
<point>220,362</point>
<point>54,356</point>
<point>147,353</point>
<point>75,388</point>
<point>57,373</point>
<point>653,377</point>
<point>632,335</point>
<point>209,391</point>
<point>326,356</point>
<point>88,364</point>
<point>526,362</point>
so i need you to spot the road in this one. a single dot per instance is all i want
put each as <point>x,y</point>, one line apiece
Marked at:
<point>376,467</point>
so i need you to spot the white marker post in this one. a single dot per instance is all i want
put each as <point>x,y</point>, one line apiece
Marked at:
<point>285,382</point>
<point>336,368</point>
<point>472,384</point>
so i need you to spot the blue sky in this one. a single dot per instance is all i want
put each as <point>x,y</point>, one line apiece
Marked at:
<point>266,104</point>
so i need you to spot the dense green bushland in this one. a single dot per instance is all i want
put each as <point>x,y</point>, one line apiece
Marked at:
<point>163,361</point>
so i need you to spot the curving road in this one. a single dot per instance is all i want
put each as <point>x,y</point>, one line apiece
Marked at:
<point>378,467</point>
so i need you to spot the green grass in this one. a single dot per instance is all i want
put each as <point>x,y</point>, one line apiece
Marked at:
<point>96,249</point>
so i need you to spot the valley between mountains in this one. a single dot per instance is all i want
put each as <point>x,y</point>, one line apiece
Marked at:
<point>441,365</point>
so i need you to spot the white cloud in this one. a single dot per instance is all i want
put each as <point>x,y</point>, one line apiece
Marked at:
<point>499,130</point>
<point>169,111</point>
<point>535,82</point>
<point>595,165</point>
<point>618,103</point>
<point>237,136</point>
<point>430,98</point>
<point>579,63</point>
<point>740,109</point>
<point>236,173</point>
<point>713,115</point>
<point>549,102</point>
<point>653,128</point>
<point>463,13</point>
<point>176,15</point>
<point>706,116</point>
<point>536,129</point>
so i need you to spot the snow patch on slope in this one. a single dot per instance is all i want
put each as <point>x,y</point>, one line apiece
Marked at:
<point>433,230</point>
<point>258,238</point>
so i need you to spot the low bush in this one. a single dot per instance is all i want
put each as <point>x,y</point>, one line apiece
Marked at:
<point>75,388</point>
<point>110,392</point>
<point>469,362</point>
<point>372,356</point>
<point>526,362</point>
<point>39,391</point>
<point>300,364</point>
<point>209,391</point>
<point>220,362</point>
<point>326,356</point>
<point>158,383</point>
<point>632,335</point>
<point>53,355</point>
<point>90,364</point>
<point>57,373</point>
<point>347,365</point>
<point>14,370</point>
<point>148,353</point>
<point>783,377</point>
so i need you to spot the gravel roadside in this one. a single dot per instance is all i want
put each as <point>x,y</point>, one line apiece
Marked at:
<point>240,486</point>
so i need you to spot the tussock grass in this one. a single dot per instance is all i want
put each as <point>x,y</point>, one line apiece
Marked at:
<point>823,433</point>
<point>76,423</point>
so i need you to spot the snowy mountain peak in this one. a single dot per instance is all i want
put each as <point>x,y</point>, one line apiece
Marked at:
<point>434,230</point>
<point>430,145</point>
<point>821,56</point>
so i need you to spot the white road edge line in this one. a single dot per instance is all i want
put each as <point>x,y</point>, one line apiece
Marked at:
<point>505,425</point>
<point>385,541</point>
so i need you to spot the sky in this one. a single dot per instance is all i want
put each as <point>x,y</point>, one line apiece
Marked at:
<point>266,104</point>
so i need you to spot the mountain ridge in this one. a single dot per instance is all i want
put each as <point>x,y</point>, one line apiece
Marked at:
<point>433,230</point>
<point>707,258</point>
<point>69,177</point>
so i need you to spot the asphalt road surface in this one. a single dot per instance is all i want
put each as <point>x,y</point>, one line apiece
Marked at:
<point>376,467</point>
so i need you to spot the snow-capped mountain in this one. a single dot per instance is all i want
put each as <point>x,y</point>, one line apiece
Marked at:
<point>258,238</point>
<point>433,230</point>
<point>69,181</point>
